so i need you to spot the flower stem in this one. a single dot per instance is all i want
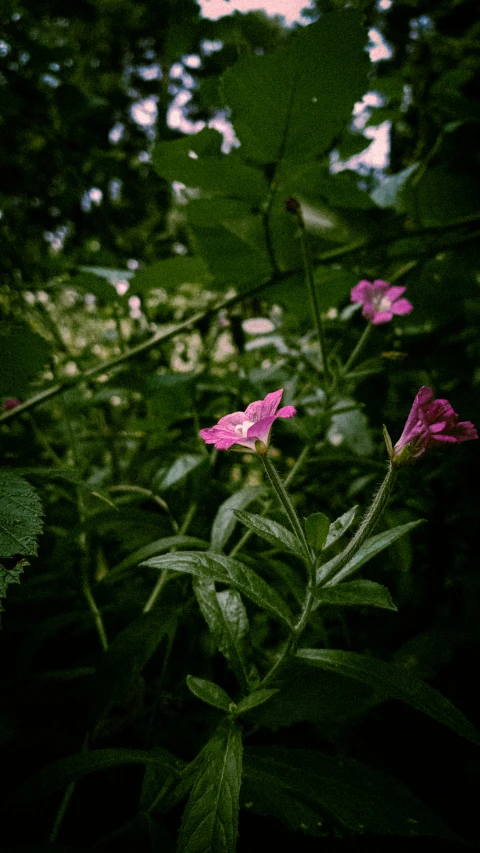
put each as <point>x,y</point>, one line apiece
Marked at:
<point>285,501</point>
<point>357,350</point>
<point>288,479</point>
<point>377,506</point>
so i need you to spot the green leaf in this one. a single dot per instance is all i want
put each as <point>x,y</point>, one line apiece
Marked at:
<point>275,533</point>
<point>22,355</point>
<point>180,469</point>
<point>216,567</point>
<point>315,696</point>
<point>170,274</point>
<point>390,190</point>
<point>340,526</point>
<point>20,516</point>
<point>60,774</point>
<point>349,425</point>
<point>258,697</point>
<point>210,821</point>
<point>230,258</point>
<point>293,103</point>
<point>303,787</point>
<point>316,528</point>
<point>225,521</point>
<point>20,524</point>
<point>151,550</point>
<point>103,289</point>
<point>394,682</point>
<point>209,170</point>
<point>227,619</point>
<point>117,675</point>
<point>210,693</point>
<point>111,275</point>
<point>366,552</point>
<point>357,594</point>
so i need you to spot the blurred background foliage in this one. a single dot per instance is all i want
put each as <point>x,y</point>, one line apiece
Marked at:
<point>128,207</point>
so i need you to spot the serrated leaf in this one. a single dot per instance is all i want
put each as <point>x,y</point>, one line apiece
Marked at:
<point>274,114</point>
<point>121,665</point>
<point>227,619</point>
<point>210,821</point>
<point>216,567</point>
<point>258,697</point>
<point>225,521</point>
<point>20,516</point>
<point>356,594</point>
<point>60,774</point>
<point>340,526</point>
<point>275,533</point>
<point>10,572</point>
<point>366,552</point>
<point>316,528</point>
<point>303,787</point>
<point>394,682</point>
<point>210,693</point>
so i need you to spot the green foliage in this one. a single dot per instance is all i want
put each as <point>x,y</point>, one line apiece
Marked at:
<point>307,789</point>
<point>210,821</point>
<point>155,282</point>
<point>395,683</point>
<point>292,104</point>
<point>275,533</point>
<point>356,593</point>
<point>22,355</point>
<point>222,569</point>
<point>20,524</point>
<point>373,546</point>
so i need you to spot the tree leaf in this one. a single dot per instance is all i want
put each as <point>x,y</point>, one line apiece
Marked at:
<point>22,355</point>
<point>210,821</point>
<point>340,526</point>
<point>216,567</point>
<point>258,697</point>
<point>274,116</point>
<point>275,533</point>
<point>60,774</point>
<point>394,682</point>
<point>210,693</point>
<point>227,619</point>
<point>357,594</point>
<point>209,170</point>
<point>366,552</point>
<point>225,521</point>
<point>316,527</point>
<point>302,787</point>
<point>171,273</point>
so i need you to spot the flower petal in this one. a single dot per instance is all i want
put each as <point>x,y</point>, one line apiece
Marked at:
<point>264,408</point>
<point>394,292</point>
<point>382,317</point>
<point>401,307</point>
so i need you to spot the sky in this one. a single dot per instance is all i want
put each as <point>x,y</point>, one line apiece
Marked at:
<point>290,9</point>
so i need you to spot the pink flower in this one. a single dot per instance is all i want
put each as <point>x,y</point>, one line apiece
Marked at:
<point>430,423</point>
<point>11,403</point>
<point>380,300</point>
<point>248,427</point>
